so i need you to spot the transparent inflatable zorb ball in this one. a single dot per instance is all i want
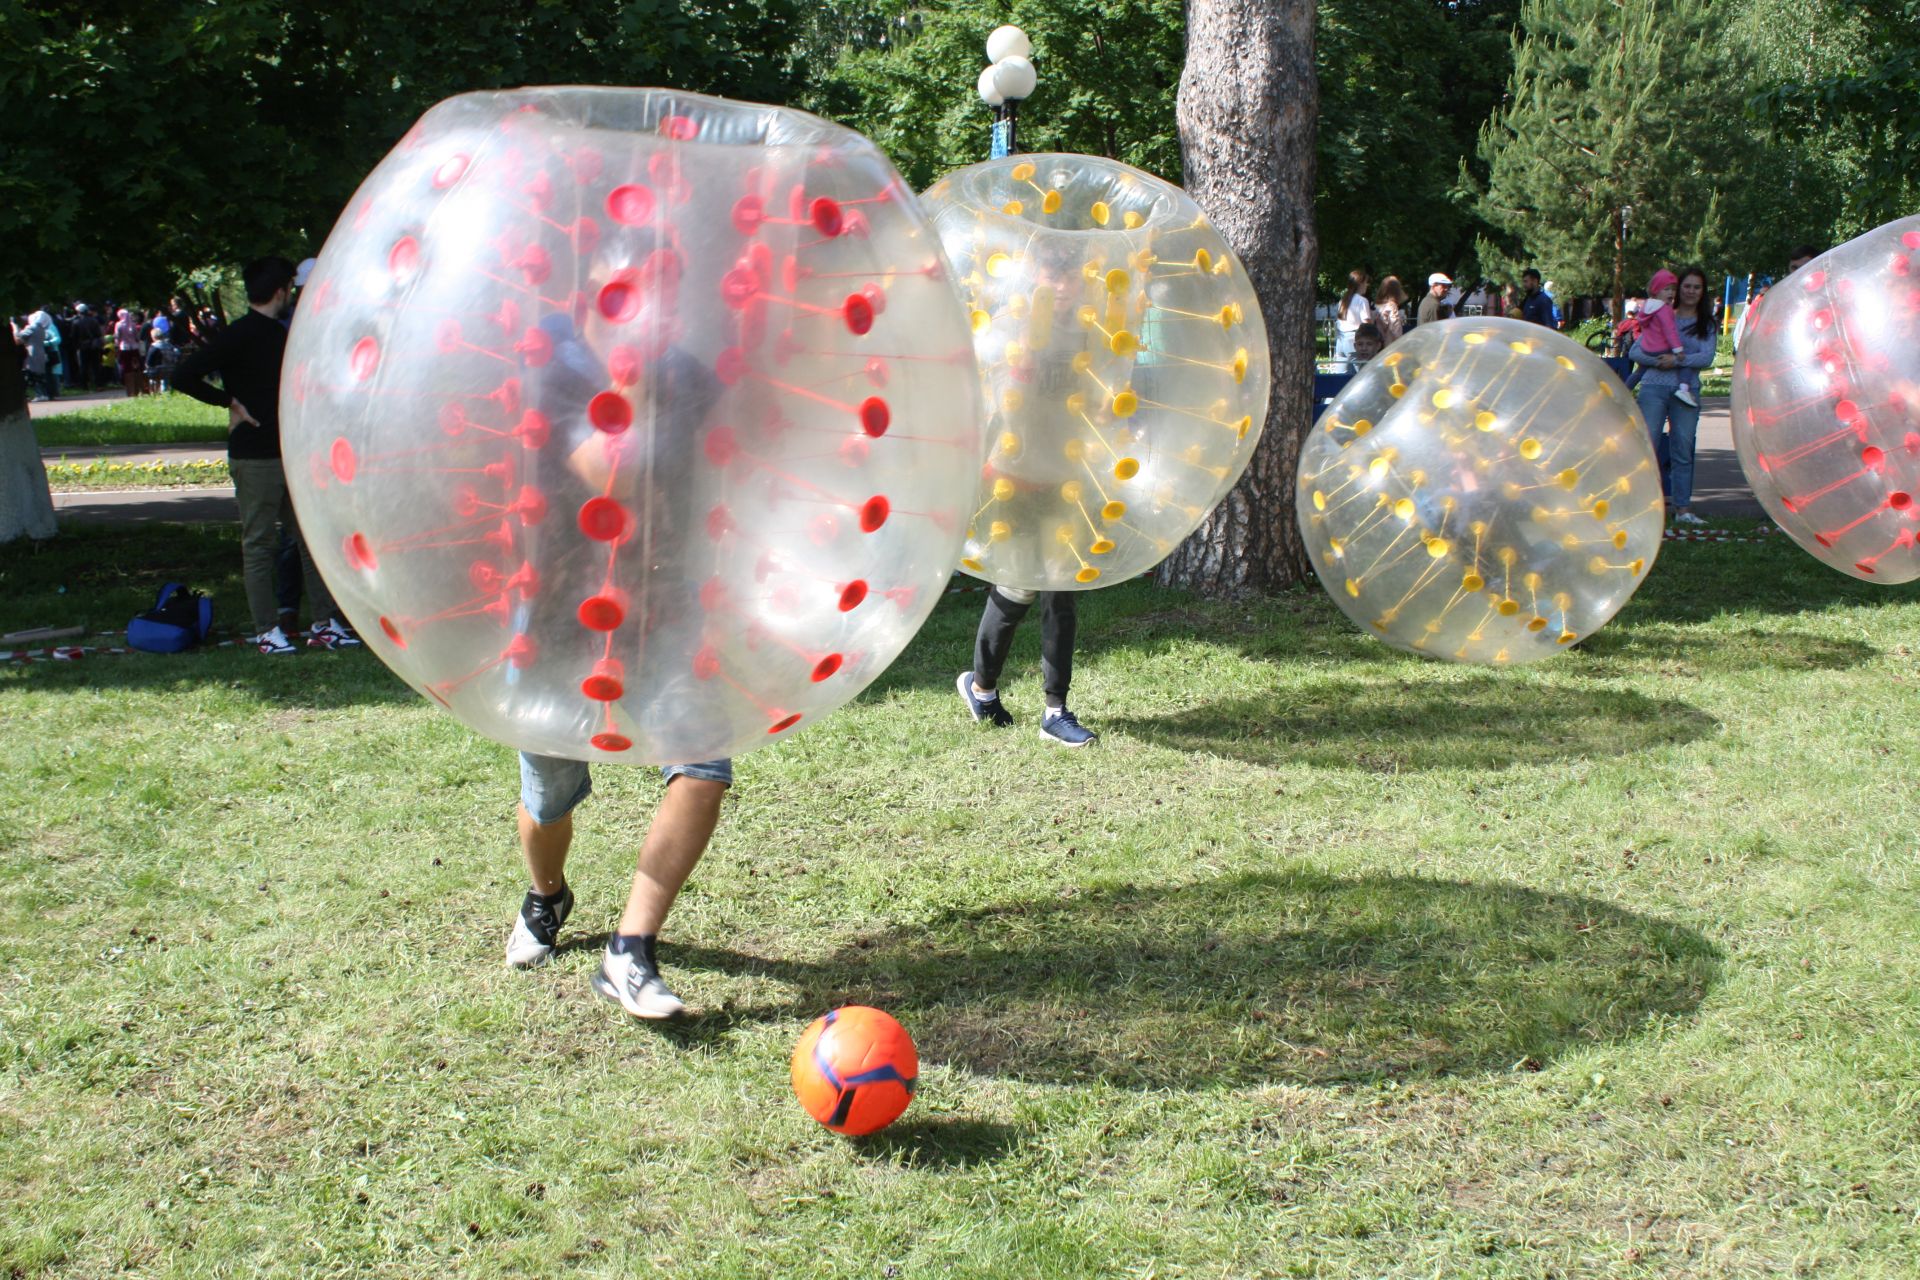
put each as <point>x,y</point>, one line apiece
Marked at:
<point>1826,404</point>
<point>1124,360</point>
<point>630,424</point>
<point>1482,491</point>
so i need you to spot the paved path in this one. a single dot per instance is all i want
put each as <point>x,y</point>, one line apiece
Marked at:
<point>147,506</point>
<point>1720,490</point>
<point>1719,486</point>
<point>193,452</point>
<point>73,404</point>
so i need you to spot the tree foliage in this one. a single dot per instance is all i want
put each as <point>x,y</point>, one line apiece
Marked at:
<point>144,139</point>
<point>1405,86</point>
<point>1856,90</point>
<point>903,74</point>
<point>1613,153</point>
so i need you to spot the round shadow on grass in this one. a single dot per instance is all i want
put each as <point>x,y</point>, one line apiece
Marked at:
<point>1390,726</point>
<point>1268,978</point>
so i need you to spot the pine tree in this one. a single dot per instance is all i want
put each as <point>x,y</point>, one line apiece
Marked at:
<point>1621,124</point>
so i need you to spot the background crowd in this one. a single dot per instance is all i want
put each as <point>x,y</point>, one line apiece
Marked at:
<point>1365,321</point>
<point>82,347</point>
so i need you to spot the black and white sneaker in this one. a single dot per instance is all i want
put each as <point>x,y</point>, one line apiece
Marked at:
<point>536,929</point>
<point>1059,725</point>
<point>988,709</point>
<point>332,634</point>
<point>633,982</point>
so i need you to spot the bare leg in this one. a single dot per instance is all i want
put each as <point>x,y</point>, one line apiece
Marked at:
<point>678,837</point>
<point>545,849</point>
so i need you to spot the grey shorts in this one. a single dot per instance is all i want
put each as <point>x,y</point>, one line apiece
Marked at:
<point>550,788</point>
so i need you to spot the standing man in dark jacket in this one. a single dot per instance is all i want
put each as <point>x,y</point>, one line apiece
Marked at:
<point>88,338</point>
<point>1538,306</point>
<point>246,357</point>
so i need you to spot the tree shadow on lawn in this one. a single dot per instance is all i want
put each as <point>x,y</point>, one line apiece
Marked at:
<point>1137,621</point>
<point>1479,723</point>
<point>310,679</point>
<point>1270,978</point>
<point>1630,650</point>
<point>1699,582</point>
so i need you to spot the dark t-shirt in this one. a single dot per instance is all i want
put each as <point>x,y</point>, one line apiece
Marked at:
<point>246,358</point>
<point>1538,308</point>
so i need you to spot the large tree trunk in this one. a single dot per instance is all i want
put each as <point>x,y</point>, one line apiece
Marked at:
<point>1248,106</point>
<point>26,508</point>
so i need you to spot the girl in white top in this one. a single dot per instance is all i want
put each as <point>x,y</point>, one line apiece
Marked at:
<point>1354,311</point>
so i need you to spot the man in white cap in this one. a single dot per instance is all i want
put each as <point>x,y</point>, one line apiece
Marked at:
<point>1434,305</point>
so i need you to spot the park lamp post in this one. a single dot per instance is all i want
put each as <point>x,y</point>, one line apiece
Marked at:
<point>1008,81</point>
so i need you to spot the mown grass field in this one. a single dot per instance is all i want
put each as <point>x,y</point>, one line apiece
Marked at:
<point>1325,962</point>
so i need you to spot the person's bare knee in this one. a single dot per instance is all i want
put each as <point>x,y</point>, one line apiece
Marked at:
<point>698,795</point>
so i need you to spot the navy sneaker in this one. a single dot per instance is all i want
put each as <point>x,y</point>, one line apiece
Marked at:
<point>1061,727</point>
<point>988,709</point>
<point>531,943</point>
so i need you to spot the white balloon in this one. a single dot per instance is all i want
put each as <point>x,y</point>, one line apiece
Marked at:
<point>1014,77</point>
<point>1008,42</point>
<point>990,92</point>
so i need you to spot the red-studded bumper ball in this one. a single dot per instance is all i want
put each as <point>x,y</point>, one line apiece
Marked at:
<point>631,424</point>
<point>1826,404</point>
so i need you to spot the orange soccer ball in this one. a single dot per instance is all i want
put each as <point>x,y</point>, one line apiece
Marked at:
<point>854,1070</point>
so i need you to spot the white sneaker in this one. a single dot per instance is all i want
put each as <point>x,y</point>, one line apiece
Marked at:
<point>1685,396</point>
<point>1687,517</point>
<point>633,983</point>
<point>274,642</point>
<point>530,945</point>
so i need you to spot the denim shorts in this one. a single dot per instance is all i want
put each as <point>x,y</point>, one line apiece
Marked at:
<point>550,788</point>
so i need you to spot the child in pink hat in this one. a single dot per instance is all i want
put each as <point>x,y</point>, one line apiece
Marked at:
<point>1660,331</point>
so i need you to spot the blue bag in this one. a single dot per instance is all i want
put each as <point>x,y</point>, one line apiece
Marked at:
<point>179,620</point>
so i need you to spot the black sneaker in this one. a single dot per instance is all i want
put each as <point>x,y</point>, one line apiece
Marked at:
<point>1060,726</point>
<point>988,709</point>
<point>531,944</point>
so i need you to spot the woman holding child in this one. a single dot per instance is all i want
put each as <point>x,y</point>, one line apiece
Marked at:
<point>1671,357</point>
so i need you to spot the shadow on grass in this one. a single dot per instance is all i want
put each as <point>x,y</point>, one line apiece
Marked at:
<point>1255,979</point>
<point>1483,722</point>
<point>310,679</point>
<point>1631,650</point>
<point>938,1142</point>
<point>1136,622</point>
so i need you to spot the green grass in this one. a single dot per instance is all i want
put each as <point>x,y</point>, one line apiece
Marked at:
<point>165,419</point>
<point>1325,962</point>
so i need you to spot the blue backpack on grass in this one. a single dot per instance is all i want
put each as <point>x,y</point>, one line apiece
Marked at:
<point>179,620</point>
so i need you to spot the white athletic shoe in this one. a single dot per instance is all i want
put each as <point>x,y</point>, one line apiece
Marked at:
<point>1687,517</point>
<point>634,984</point>
<point>535,930</point>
